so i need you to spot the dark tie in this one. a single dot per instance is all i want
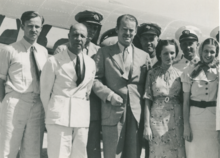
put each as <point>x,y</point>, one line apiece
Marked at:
<point>33,50</point>
<point>78,71</point>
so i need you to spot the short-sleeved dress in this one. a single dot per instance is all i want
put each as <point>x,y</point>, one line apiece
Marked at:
<point>204,88</point>
<point>163,87</point>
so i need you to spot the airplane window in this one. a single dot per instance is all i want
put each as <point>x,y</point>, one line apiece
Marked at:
<point>9,29</point>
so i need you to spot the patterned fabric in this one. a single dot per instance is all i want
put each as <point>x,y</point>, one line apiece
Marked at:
<point>163,87</point>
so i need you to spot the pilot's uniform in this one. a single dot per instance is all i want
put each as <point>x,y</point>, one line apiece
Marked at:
<point>183,63</point>
<point>187,33</point>
<point>149,29</point>
<point>94,137</point>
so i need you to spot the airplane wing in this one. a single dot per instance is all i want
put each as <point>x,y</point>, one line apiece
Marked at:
<point>60,14</point>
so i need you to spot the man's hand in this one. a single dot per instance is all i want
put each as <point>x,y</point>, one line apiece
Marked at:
<point>116,100</point>
<point>148,133</point>
<point>187,133</point>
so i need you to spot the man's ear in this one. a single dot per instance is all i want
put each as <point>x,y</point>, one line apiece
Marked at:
<point>22,27</point>
<point>198,44</point>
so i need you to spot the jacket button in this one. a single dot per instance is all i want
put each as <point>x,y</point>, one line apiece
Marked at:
<point>206,93</point>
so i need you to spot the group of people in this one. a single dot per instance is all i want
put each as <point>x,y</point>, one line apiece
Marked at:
<point>127,90</point>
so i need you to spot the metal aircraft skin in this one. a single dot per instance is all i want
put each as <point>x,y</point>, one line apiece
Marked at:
<point>60,14</point>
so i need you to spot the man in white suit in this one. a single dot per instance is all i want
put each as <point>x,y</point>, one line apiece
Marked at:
<point>22,113</point>
<point>66,82</point>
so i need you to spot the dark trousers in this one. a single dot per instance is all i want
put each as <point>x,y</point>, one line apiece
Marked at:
<point>143,142</point>
<point>94,137</point>
<point>147,148</point>
<point>122,140</point>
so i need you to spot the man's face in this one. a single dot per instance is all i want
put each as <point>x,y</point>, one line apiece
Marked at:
<point>32,29</point>
<point>149,43</point>
<point>126,31</point>
<point>77,37</point>
<point>92,30</point>
<point>189,48</point>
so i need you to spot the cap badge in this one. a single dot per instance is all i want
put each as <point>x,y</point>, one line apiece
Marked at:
<point>186,32</point>
<point>96,17</point>
<point>148,27</point>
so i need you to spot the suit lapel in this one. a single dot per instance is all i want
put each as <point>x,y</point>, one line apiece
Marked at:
<point>116,56</point>
<point>66,64</point>
<point>86,76</point>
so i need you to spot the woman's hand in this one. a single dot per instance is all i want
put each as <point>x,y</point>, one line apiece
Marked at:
<point>187,135</point>
<point>219,137</point>
<point>148,133</point>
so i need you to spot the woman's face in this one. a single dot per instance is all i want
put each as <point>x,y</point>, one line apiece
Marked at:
<point>168,54</point>
<point>208,53</point>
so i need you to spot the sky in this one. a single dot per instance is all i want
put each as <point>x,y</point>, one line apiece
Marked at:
<point>201,12</point>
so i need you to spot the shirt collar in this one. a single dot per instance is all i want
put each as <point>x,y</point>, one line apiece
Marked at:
<point>74,55</point>
<point>26,44</point>
<point>121,47</point>
<point>193,61</point>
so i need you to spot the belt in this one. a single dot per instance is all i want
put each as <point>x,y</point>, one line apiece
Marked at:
<point>166,99</point>
<point>202,104</point>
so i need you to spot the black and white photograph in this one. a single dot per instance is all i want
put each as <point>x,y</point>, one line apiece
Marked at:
<point>109,79</point>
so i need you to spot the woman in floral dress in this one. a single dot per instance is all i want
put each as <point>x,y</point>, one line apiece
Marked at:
<point>163,108</point>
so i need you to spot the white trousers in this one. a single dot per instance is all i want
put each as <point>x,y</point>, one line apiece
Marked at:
<point>66,142</point>
<point>22,125</point>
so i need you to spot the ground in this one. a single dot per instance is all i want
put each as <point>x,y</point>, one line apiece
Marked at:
<point>45,148</point>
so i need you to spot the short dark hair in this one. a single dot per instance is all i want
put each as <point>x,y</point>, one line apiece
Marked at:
<point>163,43</point>
<point>212,42</point>
<point>29,15</point>
<point>129,17</point>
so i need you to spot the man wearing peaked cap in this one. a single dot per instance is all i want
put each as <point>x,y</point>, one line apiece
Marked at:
<point>215,33</point>
<point>92,21</point>
<point>148,34</point>
<point>188,36</point>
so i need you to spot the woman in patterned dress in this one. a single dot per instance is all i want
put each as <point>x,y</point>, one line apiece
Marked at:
<point>163,108</point>
<point>200,86</point>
